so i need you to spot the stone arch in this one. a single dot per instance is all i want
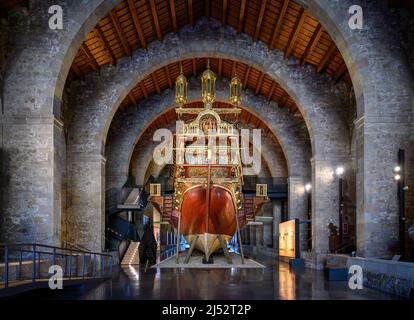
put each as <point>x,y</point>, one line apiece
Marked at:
<point>286,127</point>
<point>318,99</point>
<point>316,96</point>
<point>128,126</point>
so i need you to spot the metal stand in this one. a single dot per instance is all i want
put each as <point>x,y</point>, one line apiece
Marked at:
<point>190,252</point>
<point>239,239</point>
<point>401,201</point>
<point>224,247</point>
<point>177,246</point>
<point>341,212</point>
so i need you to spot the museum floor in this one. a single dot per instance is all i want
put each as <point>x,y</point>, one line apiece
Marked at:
<point>276,281</point>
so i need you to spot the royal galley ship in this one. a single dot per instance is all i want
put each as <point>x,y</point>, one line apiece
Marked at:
<point>208,204</point>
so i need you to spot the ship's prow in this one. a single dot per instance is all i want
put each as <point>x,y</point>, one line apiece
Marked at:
<point>207,243</point>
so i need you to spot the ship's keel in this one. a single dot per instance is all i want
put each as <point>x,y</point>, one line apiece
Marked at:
<point>207,243</point>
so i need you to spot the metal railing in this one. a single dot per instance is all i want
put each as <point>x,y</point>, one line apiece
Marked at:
<point>30,263</point>
<point>67,244</point>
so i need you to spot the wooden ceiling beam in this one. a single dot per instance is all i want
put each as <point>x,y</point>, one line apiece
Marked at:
<point>104,43</point>
<point>294,36</point>
<point>167,72</point>
<point>137,23</point>
<point>91,59</point>
<point>241,16</point>
<point>258,122</point>
<point>155,19</point>
<point>132,98</point>
<point>77,71</point>
<point>272,90</point>
<point>248,118</point>
<point>259,83</point>
<point>173,16</point>
<point>144,91</point>
<point>279,23</point>
<point>283,100</point>
<point>194,67</point>
<point>207,5</point>
<point>155,81</point>
<point>120,33</point>
<point>312,44</point>
<point>246,77</point>
<point>224,13</point>
<point>327,57</point>
<point>340,72</point>
<point>259,20</point>
<point>190,12</point>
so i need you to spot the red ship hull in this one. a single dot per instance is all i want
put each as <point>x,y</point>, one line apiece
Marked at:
<point>208,223</point>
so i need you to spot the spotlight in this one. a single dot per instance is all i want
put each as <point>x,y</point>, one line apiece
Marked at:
<point>397,177</point>
<point>397,169</point>
<point>308,187</point>
<point>340,171</point>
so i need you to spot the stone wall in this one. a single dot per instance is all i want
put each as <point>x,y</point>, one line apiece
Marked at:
<point>32,129</point>
<point>384,93</point>
<point>37,67</point>
<point>3,55</point>
<point>316,96</point>
<point>128,125</point>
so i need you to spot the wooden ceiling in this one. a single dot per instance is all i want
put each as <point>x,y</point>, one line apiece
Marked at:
<point>251,78</point>
<point>244,117</point>
<point>281,24</point>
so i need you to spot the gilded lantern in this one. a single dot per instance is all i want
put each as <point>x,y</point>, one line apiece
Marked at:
<point>208,82</point>
<point>235,91</point>
<point>181,87</point>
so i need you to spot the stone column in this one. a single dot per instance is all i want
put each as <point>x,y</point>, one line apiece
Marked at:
<point>377,202</point>
<point>297,204</point>
<point>325,200</point>
<point>276,220</point>
<point>30,190</point>
<point>85,221</point>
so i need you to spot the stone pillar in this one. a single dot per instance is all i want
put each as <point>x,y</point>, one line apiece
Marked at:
<point>85,221</point>
<point>297,204</point>
<point>30,189</point>
<point>276,220</point>
<point>377,202</point>
<point>325,200</point>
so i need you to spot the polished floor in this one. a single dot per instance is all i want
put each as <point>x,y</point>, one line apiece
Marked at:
<point>276,281</point>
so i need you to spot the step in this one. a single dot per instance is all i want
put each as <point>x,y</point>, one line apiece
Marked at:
<point>132,255</point>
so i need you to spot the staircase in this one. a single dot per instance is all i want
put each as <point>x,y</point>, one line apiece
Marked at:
<point>132,255</point>
<point>167,208</point>
<point>132,201</point>
<point>249,209</point>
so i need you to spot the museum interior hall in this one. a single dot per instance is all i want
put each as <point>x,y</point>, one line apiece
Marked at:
<point>207,149</point>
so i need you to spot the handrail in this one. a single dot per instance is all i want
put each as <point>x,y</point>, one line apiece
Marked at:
<point>343,247</point>
<point>52,247</point>
<point>68,259</point>
<point>74,245</point>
